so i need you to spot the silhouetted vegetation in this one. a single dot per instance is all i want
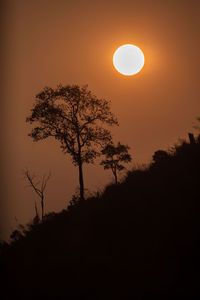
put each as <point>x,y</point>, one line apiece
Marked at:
<point>73,116</point>
<point>139,239</point>
<point>39,188</point>
<point>114,157</point>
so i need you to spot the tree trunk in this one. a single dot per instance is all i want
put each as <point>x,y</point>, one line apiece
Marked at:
<point>81,180</point>
<point>80,167</point>
<point>42,206</point>
<point>115,174</point>
<point>36,211</point>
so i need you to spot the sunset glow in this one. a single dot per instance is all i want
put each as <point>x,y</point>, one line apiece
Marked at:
<point>128,60</point>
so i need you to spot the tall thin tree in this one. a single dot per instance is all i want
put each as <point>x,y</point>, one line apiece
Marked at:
<point>74,116</point>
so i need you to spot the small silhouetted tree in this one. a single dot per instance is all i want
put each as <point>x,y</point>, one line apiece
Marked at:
<point>39,187</point>
<point>74,116</point>
<point>115,156</point>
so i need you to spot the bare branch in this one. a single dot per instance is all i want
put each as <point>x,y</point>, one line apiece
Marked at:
<point>35,185</point>
<point>30,179</point>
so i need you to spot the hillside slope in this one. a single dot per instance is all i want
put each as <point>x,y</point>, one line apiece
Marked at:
<point>139,239</point>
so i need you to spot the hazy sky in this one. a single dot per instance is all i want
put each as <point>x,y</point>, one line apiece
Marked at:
<point>45,43</point>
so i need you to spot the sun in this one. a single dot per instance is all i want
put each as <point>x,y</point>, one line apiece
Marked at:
<point>128,59</point>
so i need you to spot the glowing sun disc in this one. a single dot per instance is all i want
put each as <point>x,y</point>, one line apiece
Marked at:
<point>128,59</point>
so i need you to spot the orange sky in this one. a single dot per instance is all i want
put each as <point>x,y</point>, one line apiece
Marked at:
<point>50,42</point>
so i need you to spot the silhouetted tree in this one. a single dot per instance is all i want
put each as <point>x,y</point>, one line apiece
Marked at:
<point>74,116</point>
<point>114,157</point>
<point>39,187</point>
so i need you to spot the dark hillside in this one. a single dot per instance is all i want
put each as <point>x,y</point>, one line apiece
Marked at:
<point>139,239</point>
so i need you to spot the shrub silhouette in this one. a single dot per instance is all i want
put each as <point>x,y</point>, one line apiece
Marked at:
<point>138,239</point>
<point>160,156</point>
